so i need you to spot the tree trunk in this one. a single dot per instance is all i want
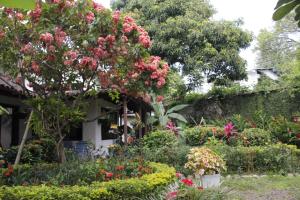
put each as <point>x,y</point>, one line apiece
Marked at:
<point>23,140</point>
<point>61,151</point>
<point>125,120</point>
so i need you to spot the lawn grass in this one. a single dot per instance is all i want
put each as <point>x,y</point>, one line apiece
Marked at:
<point>261,188</point>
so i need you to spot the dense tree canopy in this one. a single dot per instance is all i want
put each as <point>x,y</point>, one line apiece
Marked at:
<point>277,48</point>
<point>59,50</point>
<point>184,34</point>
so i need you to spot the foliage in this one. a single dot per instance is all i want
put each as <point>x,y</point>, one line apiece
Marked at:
<point>3,111</point>
<point>277,158</point>
<point>277,48</point>
<point>284,7</point>
<point>35,151</point>
<point>159,139</point>
<point>161,116</point>
<point>198,135</point>
<point>255,137</point>
<point>184,35</point>
<point>195,194</point>
<point>83,174</point>
<point>203,161</point>
<point>284,130</point>
<point>240,123</point>
<point>112,190</point>
<point>62,68</point>
<point>261,119</point>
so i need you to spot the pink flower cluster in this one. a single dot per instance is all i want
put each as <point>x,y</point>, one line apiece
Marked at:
<point>35,67</point>
<point>229,129</point>
<point>88,62</point>
<point>71,56</point>
<point>59,36</point>
<point>116,16</point>
<point>129,25</point>
<point>47,38</point>
<point>158,70</point>
<point>27,48</point>
<point>98,7</point>
<point>36,13</point>
<point>89,17</point>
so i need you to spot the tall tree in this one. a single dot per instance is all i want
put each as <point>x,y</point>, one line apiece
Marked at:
<point>59,50</point>
<point>184,34</point>
<point>277,48</point>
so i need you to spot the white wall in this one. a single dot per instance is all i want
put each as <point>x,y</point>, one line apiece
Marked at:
<point>91,131</point>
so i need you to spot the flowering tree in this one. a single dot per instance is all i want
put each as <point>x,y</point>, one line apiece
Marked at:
<point>60,50</point>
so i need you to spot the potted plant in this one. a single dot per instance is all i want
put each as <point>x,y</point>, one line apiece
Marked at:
<point>206,165</point>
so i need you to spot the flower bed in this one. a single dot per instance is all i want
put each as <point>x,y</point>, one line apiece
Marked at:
<point>110,190</point>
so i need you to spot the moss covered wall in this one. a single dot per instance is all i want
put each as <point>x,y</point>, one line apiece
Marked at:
<point>273,103</point>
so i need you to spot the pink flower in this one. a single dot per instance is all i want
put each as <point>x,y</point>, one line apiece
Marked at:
<point>89,17</point>
<point>101,41</point>
<point>56,1</point>
<point>51,48</point>
<point>47,38</point>
<point>178,175</point>
<point>144,40</point>
<point>109,175</point>
<point>228,129</point>
<point>124,38</point>
<point>116,16</point>
<point>172,195</point>
<point>187,182</point>
<point>35,67</point>
<point>68,62</point>
<point>172,127</point>
<point>98,7</point>
<point>36,13</point>
<point>71,54</point>
<point>127,28</point>
<point>20,16</point>
<point>159,98</point>
<point>110,38</point>
<point>27,49</point>
<point>99,53</point>
<point>60,36</point>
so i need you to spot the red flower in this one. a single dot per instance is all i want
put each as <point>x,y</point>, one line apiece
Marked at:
<point>36,13</point>
<point>2,34</point>
<point>59,36</point>
<point>187,182</point>
<point>27,49</point>
<point>159,98</point>
<point>298,135</point>
<point>98,7</point>
<point>35,67</point>
<point>116,16</point>
<point>109,175</point>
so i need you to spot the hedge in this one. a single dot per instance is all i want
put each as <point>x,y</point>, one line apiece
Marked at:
<point>278,158</point>
<point>198,135</point>
<point>111,190</point>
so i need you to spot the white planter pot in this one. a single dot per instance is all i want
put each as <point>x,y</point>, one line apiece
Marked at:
<point>209,181</point>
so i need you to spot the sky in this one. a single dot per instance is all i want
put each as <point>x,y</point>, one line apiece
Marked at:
<point>256,14</point>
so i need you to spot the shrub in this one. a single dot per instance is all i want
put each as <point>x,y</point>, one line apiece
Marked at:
<point>204,161</point>
<point>240,123</point>
<point>35,151</point>
<point>198,135</point>
<point>255,137</point>
<point>283,130</point>
<point>112,190</point>
<point>159,138</point>
<point>260,159</point>
<point>83,174</point>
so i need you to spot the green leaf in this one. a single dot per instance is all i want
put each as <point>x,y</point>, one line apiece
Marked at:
<point>163,120</point>
<point>151,120</point>
<point>178,117</point>
<point>281,2</point>
<point>284,10</point>
<point>177,108</point>
<point>3,111</point>
<point>23,4</point>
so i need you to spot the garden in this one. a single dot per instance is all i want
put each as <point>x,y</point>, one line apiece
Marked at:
<point>70,69</point>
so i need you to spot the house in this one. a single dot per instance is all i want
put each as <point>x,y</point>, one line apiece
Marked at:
<point>103,117</point>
